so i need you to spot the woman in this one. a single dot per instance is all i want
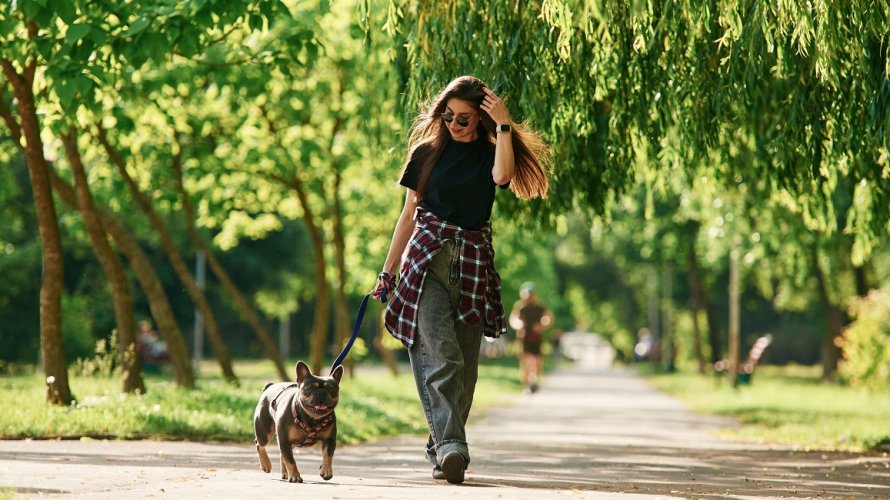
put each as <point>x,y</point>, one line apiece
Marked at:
<point>448,294</point>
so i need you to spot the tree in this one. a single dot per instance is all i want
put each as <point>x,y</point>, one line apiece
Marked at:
<point>28,128</point>
<point>174,255</point>
<point>618,84</point>
<point>151,284</point>
<point>79,47</point>
<point>123,302</point>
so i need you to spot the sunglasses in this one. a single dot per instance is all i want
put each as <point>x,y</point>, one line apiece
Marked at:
<point>463,121</point>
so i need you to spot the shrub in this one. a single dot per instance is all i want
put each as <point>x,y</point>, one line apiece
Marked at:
<point>866,342</point>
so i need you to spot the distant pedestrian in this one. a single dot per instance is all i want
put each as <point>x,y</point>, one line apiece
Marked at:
<point>149,345</point>
<point>530,318</point>
<point>462,149</point>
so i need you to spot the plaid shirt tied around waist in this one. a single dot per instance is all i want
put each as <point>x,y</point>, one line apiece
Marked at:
<point>480,285</point>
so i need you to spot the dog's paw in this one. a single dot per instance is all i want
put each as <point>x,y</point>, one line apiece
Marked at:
<point>326,474</point>
<point>295,479</point>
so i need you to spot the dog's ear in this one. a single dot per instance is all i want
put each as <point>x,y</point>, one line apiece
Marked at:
<point>337,373</point>
<point>302,372</point>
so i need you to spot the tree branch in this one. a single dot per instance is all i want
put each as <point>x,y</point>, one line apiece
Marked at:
<point>6,113</point>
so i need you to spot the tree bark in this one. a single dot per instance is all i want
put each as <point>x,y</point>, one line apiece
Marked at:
<point>341,313</point>
<point>158,302</point>
<point>319,336</point>
<point>179,266</point>
<point>389,357</point>
<point>834,323</point>
<point>114,271</point>
<point>247,312</point>
<point>695,287</point>
<point>669,336</point>
<point>713,329</point>
<point>861,280</point>
<point>54,366</point>
<point>341,308</point>
<point>734,319</point>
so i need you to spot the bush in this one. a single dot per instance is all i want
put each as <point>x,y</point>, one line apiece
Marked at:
<point>866,342</point>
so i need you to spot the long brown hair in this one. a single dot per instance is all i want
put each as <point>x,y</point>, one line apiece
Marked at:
<point>429,136</point>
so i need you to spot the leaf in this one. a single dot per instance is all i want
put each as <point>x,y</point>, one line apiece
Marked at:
<point>155,46</point>
<point>138,26</point>
<point>83,85</point>
<point>76,32</point>
<point>31,9</point>
<point>66,11</point>
<point>65,91</point>
<point>255,22</point>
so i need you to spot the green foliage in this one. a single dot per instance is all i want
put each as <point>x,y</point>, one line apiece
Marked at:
<point>790,95</point>
<point>373,406</point>
<point>20,263</point>
<point>866,342</point>
<point>78,337</point>
<point>788,405</point>
<point>103,361</point>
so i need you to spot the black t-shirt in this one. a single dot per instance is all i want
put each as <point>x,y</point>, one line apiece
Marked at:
<point>460,188</point>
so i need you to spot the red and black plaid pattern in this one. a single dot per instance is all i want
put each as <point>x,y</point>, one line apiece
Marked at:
<point>480,295</point>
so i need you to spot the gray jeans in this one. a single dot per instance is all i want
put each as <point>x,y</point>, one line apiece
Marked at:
<point>445,358</point>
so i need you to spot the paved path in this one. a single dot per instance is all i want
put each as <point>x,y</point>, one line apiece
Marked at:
<point>587,434</point>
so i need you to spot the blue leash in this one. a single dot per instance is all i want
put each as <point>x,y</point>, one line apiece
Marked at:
<point>355,329</point>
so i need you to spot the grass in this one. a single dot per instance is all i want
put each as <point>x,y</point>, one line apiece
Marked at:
<point>373,405</point>
<point>788,405</point>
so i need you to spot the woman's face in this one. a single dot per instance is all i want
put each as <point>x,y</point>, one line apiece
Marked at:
<point>461,119</point>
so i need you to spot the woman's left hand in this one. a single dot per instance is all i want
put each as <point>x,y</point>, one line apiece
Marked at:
<point>494,106</point>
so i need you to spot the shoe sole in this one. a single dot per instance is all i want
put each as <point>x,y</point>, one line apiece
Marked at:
<point>453,467</point>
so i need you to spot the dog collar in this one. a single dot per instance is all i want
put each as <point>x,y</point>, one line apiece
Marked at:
<point>311,431</point>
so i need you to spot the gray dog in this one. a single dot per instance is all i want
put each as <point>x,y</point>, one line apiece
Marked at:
<point>301,414</point>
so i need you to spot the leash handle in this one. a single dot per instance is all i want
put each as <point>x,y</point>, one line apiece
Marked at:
<point>355,329</point>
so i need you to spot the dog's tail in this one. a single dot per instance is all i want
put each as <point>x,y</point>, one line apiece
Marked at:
<point>270,384</point>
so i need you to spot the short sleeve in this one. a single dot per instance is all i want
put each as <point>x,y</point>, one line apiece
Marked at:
<point>411,175</point>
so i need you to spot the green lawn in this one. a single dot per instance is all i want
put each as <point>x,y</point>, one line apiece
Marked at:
<point>788,405</point>
<point>373,405</point>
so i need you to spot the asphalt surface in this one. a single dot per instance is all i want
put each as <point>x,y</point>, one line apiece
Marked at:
<point>587,434</point>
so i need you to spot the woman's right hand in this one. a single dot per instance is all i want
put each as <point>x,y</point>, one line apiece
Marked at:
<point>386,283</point>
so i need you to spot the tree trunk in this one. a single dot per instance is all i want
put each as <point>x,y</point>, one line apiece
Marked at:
<point>669,337</point>
<point>54,365</point>
<point>179,266</point>
<point>319,336</point>
<point>342,310</point>
<point>834,323</point>
<point>247,312</point>
<point>389,357</point>
<point>151,285</point>
<point>114,271</point>
<point>714,335</point>
<point>861,280</point>
<point>695,287</point>
<point>734,320</point>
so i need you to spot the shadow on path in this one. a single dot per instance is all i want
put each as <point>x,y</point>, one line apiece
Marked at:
<point>587,434</point>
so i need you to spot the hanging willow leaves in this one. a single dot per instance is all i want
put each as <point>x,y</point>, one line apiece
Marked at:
<point>794,94</point>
